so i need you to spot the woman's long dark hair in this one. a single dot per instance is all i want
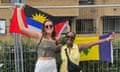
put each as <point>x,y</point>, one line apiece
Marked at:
<point>53,33</point>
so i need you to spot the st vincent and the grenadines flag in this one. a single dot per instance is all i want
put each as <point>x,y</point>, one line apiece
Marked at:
<point>101,52</point>
<point>91,53</point>
<point>106,49</point>
<point>35,19</point>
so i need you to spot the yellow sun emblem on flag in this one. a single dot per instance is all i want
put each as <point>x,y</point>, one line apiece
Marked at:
<point>39,17</point>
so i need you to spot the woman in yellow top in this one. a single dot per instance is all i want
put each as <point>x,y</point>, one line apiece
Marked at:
<point>73,50</point>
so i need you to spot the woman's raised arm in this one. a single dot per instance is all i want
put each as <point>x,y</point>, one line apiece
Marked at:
<point>88,45</point>
<point>29,32</point>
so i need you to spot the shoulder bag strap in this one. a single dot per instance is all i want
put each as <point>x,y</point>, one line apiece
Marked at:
<point>39,42</point>
<point>67,54</point>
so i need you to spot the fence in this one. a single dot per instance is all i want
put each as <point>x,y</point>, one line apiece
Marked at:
<point>91,20</point>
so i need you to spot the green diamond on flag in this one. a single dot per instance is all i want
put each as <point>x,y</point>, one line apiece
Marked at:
<point>86,51</point>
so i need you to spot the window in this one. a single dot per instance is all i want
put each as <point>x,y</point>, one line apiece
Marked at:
<point>11,1</point>
<point>5,1</point>
<point>84,26</point>
<point>86,2</point>
<point>2,26</point>
<point>111,24</point>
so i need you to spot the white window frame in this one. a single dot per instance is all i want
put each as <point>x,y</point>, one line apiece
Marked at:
<point>2,26</point>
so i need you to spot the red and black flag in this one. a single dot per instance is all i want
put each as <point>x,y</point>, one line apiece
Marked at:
<point>34,19</point>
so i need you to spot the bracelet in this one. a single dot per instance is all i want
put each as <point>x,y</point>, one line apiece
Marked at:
<point>107,39</point>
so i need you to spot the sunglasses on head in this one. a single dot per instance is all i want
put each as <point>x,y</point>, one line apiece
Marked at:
<point>71,37</point>
<point>48,26</point>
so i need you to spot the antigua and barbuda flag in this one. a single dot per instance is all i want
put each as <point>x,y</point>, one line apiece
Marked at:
<point>34,19</point>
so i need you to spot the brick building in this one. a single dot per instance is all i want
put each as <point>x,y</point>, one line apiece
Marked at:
<point>87,20</point>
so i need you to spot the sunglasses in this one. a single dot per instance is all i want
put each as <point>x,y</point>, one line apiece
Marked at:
<point>71,37</point>
<point>49,26</point>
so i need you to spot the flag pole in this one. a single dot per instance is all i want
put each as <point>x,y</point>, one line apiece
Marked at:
<point>15,54</point>
<point>21,52</point>
<point>15,36</point>
<point>21,47</point>
<point>17,51</point>
<point>15,39</point>
<point>19,2</point>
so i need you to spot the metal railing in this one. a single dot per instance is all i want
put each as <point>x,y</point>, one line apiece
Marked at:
<point>8,61</point>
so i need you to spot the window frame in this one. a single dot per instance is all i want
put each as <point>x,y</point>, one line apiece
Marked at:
<point>85,29</point>
<point>114,19</point>
<point>5,1</point>
<point>86,2</point>
<point>11,1</point>
<point>4,22</point>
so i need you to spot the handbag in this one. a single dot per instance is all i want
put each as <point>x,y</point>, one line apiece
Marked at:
<point>72,67</point>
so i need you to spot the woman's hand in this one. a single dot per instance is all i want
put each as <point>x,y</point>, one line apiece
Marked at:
<point>111,37</point>
<point>20,5</point>
<point>67,27</point>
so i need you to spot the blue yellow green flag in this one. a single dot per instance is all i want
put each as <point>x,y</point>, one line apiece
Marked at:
<point>101,52</point>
